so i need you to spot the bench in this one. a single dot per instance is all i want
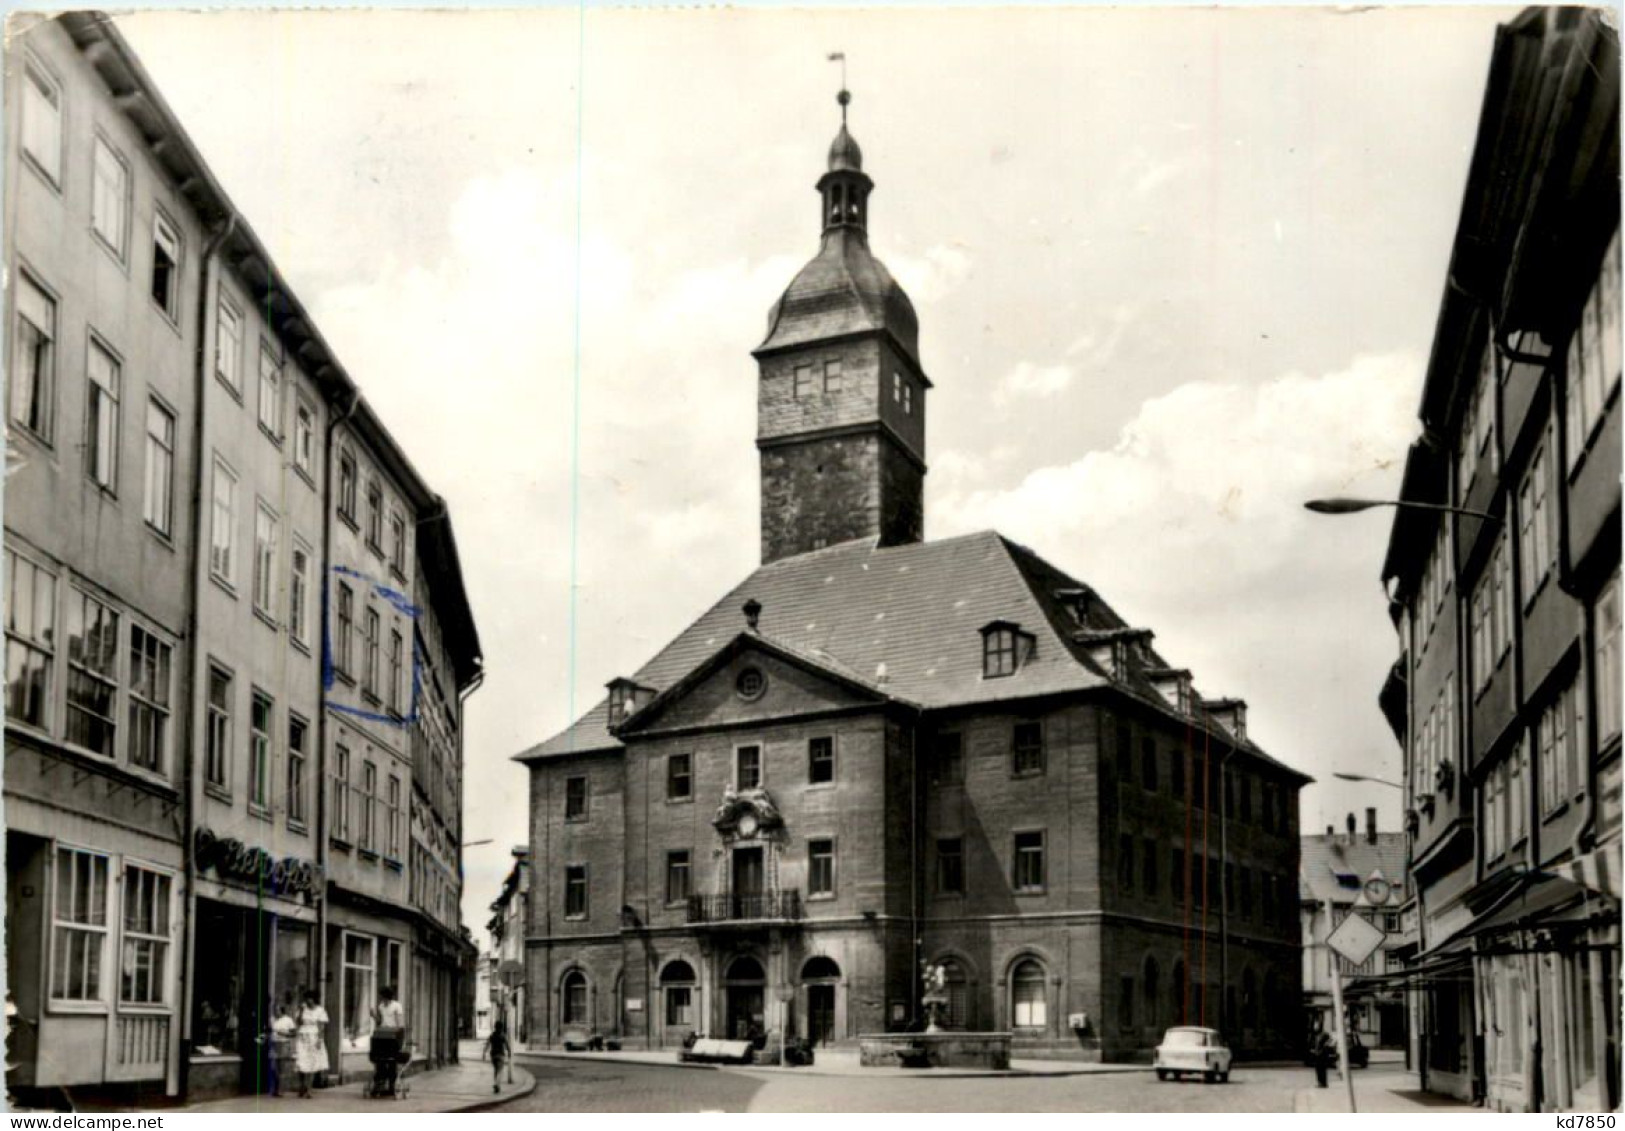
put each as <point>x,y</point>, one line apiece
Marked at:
<point>711,1050</point>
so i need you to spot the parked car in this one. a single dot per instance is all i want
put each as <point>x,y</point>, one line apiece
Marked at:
<point>1192,1050</point>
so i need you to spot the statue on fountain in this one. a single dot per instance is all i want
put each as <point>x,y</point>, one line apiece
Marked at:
<point>934,993</point>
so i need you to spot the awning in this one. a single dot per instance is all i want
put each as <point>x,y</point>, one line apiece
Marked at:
<point>1533,903</point>
<point>1599,871</point>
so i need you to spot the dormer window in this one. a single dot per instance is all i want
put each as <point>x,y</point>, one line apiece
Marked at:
<point>625,699</point>
<point>1005,648</point>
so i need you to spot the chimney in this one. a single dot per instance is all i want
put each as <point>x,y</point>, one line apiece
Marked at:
<point>1370,825</point>
<point>1352,825</point>
<point>753,613</point>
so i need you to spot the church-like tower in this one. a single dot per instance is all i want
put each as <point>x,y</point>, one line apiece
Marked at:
<point>841,396</point>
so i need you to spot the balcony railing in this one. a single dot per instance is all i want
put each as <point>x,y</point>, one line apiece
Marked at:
<point>765,905</point>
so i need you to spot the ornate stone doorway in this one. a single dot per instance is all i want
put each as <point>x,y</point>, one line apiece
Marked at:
<point>744,991</point>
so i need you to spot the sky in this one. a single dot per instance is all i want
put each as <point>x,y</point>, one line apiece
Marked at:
<point>1176,273</point>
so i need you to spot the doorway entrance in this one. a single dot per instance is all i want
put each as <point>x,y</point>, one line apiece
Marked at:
<point>821,975</point>
<point>745,993</point>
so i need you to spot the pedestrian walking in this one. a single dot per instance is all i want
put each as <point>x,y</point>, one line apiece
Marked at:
<point>310,1042</point>
<point>496,1047</point>
<point>1323,1052</point>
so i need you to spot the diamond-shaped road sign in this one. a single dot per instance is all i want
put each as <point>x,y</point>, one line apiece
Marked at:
<point>1355,939</point>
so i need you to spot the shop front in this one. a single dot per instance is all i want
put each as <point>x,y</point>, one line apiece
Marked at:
<point>367,952</point>
<point>254,955</point>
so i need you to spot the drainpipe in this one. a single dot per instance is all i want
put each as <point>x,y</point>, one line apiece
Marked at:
<point>194,598</point>
<point>333,423</point>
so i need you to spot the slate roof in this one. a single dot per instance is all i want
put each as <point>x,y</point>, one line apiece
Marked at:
<point>843,290</point>
<point>903,620</point>
<point>1321,859</point>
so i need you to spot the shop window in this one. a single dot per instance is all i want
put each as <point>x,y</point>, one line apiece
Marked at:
<point>360,988</point>
<point>144,965</point>
<point>78,925</point>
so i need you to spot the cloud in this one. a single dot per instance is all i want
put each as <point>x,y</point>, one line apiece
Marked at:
<point>932,276</point>
<point>1030,380</point>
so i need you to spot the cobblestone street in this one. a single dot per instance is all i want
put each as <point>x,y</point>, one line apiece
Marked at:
<point>600,1086</point>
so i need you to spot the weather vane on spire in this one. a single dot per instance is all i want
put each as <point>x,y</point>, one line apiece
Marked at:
<point>845,96</point>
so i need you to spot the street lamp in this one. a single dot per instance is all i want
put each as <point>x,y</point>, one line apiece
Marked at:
<point>1354,506</point>
<point>1373,781</point>
<point>473,843</point>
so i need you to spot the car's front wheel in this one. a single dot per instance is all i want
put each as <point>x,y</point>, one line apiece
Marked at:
<point>1224,1077</point>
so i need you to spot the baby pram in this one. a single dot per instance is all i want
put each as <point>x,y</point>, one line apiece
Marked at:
<point>389,1053</point>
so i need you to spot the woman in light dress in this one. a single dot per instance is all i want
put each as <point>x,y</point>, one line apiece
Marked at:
<point>310,1042</point>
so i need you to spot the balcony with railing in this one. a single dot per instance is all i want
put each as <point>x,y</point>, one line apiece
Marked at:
<point>757,907</point>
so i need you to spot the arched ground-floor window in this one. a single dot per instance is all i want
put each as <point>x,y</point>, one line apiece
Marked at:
<point>573,992</point>
<point>1028,1002</point>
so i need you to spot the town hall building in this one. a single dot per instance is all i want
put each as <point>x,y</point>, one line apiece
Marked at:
<point>877,752</point>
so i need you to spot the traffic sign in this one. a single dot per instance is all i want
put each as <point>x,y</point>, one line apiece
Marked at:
<point>1356,939</point>
<point>511,974</point>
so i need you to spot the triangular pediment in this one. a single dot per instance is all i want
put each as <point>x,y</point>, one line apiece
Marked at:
<point>749,679</point>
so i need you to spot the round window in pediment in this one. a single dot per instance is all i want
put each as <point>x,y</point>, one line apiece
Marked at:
<point>751,683</point>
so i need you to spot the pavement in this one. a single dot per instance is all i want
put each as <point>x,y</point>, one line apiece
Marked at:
<point>1379,1089</point>
<point>462,1087</point>
<point>844,1062</point>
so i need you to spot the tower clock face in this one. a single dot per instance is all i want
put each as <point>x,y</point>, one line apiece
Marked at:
<point>747,825</point>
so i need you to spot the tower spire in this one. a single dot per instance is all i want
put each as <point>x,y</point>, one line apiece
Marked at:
<point>845,96</point>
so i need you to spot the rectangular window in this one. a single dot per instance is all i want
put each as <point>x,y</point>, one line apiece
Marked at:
<point>360,986</point>
<point>908,398</point>
<point>397,544</point>
<point>1027,746</point>
<point>1125,864</point>
<point>30,641</point>
<point>217,742</point>
<point>820,760</point>
<point>1176,874</point>
<point>677,876</point>
<point>101,419</point>
<point>42,121</point>
<point>158,500</point>
<point>1029,862</point>
<point>1536,544</point>
<point>369,659</point>
<point>78,925</point>
<point>270,392</point>
<point>803,382</point>
<point>679,1005</point>
<point>1606,675</point>
<point>1246,883</point>
<point>575,891</point>
<point>368,802</point>
<point>679,777</point>
<point>228,347</point>
<point>832,375</point>
<point>144,964</point>
<point>259,752</point>
<point>397,647</point>
<point>299,593</point>
<point>950,762</point>
<point>375,516</point>
<point>1176,773</point>
<point>951,866</point>
<point>1593,359</point>
<point>1148,866</point>
<point>392,834</point>
<point>339,794</point>
<point>897,387</point>
<point>304,435</point>
<point>93,637</point>
<point>33,362</point>
<point>298,764</point>
<point>344,630</point>
<point>347,482</point>
<point>166,266</point>
<point>820,868</point>
<point>223,524</point>
<point>575,799</point>
<point>1148,763</point>
<point>265,546</point>
<point>110,197</point>
<point>748,767</point>
<point>149,700</point>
